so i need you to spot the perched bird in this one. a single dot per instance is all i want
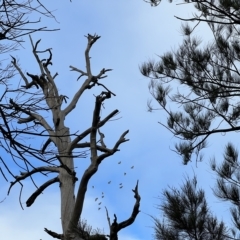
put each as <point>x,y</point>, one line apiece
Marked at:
<point>96,199</point>
<point>109,182</point>
<point>132,167</point>
<point>119,162</point>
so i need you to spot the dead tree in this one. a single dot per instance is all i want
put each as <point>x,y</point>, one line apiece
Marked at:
<point>22,118</point>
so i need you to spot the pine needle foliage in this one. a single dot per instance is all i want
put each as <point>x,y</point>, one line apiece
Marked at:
<point>186,216</point>
<point>201,81</point>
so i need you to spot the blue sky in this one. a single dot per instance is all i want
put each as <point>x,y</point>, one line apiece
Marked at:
<point>131,32</point>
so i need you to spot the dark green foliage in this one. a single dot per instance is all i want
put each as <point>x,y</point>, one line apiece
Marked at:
<point>228,181</point>
<point>187,216</point>
<point>204,80</point>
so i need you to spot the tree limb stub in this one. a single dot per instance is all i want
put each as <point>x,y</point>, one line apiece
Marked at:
<point>53,234</point>
<point>26,120</point>
<point>87,145</point>
<point>114,149</point>
<point>90,78</point>
<point>91,40</point>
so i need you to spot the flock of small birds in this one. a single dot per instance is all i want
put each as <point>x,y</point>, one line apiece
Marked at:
<point>120,186</point>
<point>99,202</point>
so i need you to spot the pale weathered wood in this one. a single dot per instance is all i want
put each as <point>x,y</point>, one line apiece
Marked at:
<point>59,135</point>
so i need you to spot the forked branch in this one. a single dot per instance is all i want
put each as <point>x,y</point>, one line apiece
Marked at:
<point>91,79</point>
<point>116,227</point>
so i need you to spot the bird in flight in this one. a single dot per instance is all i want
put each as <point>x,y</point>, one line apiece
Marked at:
<point>100,203</point>
<point>132,167</point>
<point>96,199</point>
<point>121,186</point>
<point>109,182</point>
<point>125,174</point>
<point>119,162</point>
<point>99,208</point>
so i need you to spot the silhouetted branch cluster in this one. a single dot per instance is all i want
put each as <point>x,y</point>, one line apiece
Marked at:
<point>14,24</point>
<point>211,78</point>
<point>14,21</point>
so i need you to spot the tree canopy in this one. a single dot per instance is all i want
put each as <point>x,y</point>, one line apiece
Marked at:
<point>209,103</point>
<point>198,86</point>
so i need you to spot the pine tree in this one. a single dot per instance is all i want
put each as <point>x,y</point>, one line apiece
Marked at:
<point>202,82</point>
<point>186,216</point>
<point>210,78</point>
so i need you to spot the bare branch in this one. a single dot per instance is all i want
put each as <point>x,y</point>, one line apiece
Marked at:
<point>40,119</point>
<point>116,227</point>
<point>95,160</point>
<point>24,175</point>
<point>86,132</point>
<point>135,209</point>
<point>114,149</point>
<point>91,40</point>
<point>108,218</point>
<point>14,62</point>
<point>34,49</point>
<point>46,145</point>
<point>33,197</point>
<point>15,23</point>
<point>78,70</point>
